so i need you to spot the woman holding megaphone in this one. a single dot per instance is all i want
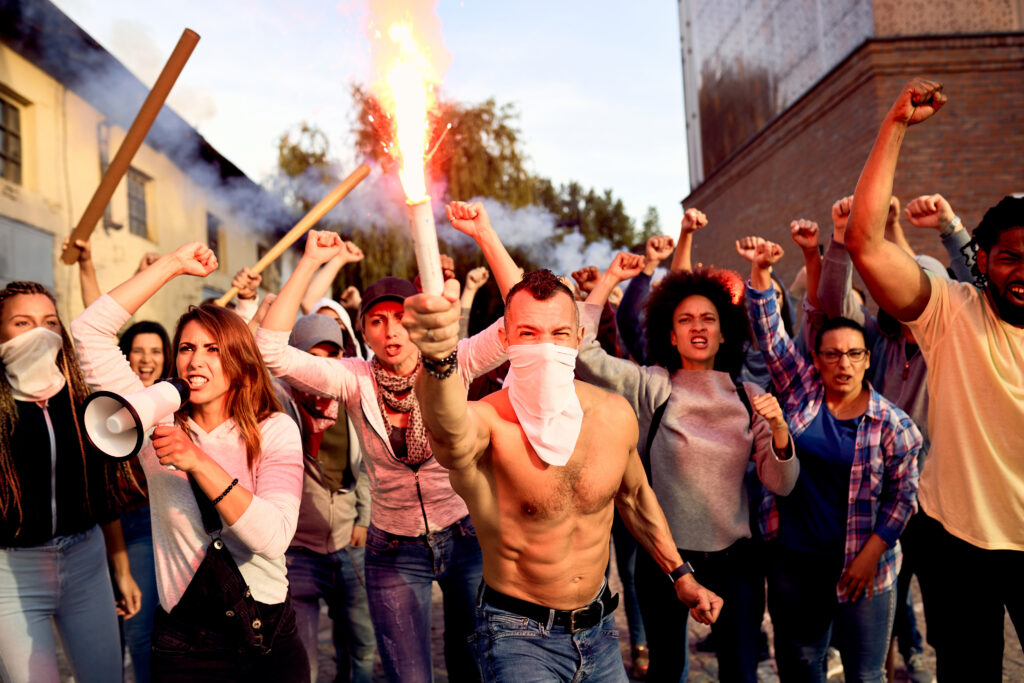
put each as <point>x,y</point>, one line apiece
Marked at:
<point>53,492</point>
<point>225,480</point>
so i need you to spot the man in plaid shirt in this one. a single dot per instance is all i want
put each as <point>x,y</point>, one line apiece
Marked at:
<point>836,555</point>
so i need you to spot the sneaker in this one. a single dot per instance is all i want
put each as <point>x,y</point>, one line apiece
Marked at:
<point>917,669</point>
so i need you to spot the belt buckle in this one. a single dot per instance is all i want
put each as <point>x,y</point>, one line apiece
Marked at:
<point>582,612</point>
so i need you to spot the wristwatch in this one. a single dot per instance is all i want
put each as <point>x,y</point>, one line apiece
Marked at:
<point>680,571</point>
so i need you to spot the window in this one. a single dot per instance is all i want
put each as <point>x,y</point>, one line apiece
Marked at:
<point>137,223</point>
<point>10,142</point>
<point>213,234</point>
<point>272,273</point>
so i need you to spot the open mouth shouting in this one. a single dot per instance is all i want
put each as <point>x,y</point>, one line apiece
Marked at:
<point>196,382</point>
<point>699,341</point>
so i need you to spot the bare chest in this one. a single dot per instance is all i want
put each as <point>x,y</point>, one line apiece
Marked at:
<point>530,489</point>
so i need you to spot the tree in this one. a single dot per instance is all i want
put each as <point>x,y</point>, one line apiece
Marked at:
<point>651,224</point>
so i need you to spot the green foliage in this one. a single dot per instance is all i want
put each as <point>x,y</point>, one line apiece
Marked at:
<point>651,224</point>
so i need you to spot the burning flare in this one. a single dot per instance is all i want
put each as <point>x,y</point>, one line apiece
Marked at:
<point>410,90</point>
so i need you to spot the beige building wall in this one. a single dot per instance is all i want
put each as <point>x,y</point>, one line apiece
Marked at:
<point>61,157</point>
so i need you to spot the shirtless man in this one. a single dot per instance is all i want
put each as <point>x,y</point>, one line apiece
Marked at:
<point>545,611</point>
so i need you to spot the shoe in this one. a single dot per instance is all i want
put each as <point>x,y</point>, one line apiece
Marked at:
<point>917,669</point>
<point>641,661</point>
<point>707,643</point>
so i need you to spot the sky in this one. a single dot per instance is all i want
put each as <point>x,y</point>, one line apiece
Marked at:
<point>598,83</point>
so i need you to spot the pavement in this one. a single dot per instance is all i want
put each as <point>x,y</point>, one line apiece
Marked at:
<point>703,666</point>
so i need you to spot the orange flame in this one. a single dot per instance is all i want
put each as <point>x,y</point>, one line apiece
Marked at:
<point>409,83</point>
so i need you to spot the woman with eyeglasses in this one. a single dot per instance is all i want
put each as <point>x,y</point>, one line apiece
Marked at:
<point>835,553</point>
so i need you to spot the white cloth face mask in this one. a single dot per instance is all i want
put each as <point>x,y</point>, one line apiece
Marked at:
<point>30,363</point>
<point>543,395</point>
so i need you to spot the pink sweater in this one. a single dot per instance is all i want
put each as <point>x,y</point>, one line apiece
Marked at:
<point>259,538</point>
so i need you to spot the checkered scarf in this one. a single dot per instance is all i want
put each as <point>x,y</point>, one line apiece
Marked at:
<point>398,394</point>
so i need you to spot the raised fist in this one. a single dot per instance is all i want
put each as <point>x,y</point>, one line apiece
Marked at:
<point>918,100</point>
<point>767,254</point>
<point>929,211</point>
<point>746,246</point>
<point>626,265</point>
<point>350,252</point>
<point>586,278</point>
<point>469,219</point>
<point>804,234</point>
<point>693,220</point>
<point>660,248</point>
<point>195,258</point>
<point>840,216</point>
<point>322,246</point>
<point>477,278</point>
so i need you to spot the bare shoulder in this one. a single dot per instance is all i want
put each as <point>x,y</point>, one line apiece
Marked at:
<point>606,406</point>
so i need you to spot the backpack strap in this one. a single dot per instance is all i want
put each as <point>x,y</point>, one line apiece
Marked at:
<point>659,413</point>
<point>742,392</point>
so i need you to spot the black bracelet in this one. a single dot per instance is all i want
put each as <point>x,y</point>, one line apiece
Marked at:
<point>226,492</point>
<point>680,571</point>
<point>433,367</point>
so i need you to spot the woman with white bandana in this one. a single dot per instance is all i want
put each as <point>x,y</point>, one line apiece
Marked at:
<point>420,531</point>
<point>53,492</point>
<point>699,430</point>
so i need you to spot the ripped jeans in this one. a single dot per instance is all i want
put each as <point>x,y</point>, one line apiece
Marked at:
<point>400,572</point>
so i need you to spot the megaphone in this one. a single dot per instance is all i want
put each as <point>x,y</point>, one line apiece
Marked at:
<point>116,425</point>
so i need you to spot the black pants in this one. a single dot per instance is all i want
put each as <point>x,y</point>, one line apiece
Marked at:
<point>217,632</point>
<point>965,589</point>
<point>736,575</point>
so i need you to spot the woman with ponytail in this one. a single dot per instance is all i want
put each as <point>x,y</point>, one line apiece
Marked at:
<point>53,494</point>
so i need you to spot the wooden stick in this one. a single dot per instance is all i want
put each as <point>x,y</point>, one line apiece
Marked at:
<point>132,141</point>
<point>302,227</point>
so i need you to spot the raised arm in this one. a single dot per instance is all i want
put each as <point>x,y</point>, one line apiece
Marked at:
<point>458,436</point>
<point>805,236</point>
<point>475,279</point>
<point>248,285</point>
<point>472,220</point>
<point>693,220</point>
<point>933,212</point>
<point>320,283</point>
<point>892,276</point>
<point>321,247</point>
<point>86,272</point>
<point>194,258</point>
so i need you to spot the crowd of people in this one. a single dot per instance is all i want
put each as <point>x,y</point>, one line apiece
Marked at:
<point>745,452</point>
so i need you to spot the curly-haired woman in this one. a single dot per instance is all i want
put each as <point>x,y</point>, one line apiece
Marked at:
<point>699,429</point>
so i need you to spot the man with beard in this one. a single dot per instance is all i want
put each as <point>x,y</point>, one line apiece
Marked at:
<point>540,465</point>
<point>972,338</point>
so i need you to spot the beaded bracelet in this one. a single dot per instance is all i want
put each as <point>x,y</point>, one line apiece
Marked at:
<point>226,492</point>
<point>433,366</point>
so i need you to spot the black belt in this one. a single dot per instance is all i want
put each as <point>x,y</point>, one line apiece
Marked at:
<point>572,619</point>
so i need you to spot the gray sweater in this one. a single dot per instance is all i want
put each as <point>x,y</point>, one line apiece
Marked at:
<point>700,453</point>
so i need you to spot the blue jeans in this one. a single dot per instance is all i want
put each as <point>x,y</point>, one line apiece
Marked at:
<point>805,610</point>
<point>400,572</point>
<point>138,539</point>
<point>338,579</point>
<point>63,581</point>
<point>511,648</point>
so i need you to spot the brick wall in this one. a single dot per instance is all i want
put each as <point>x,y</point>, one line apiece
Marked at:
<point>972,151</point>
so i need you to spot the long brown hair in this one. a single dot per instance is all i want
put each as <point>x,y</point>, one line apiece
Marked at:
<point>251,397</point>
<point>119,480</point>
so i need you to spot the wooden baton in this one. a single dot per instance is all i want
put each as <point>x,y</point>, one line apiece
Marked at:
<point>302,227</point>
<point>131,143</point>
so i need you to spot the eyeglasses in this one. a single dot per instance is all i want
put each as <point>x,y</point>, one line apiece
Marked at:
<point>832,356</point>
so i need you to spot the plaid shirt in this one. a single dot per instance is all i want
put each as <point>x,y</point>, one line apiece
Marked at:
<point>883,478</point>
